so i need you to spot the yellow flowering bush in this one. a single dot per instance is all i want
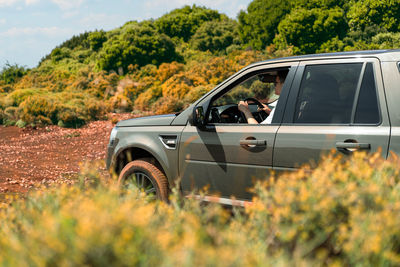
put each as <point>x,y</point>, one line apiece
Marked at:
<point>347,210</point>
<point>344,212</point>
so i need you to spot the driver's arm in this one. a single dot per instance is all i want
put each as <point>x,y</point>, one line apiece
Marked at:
<point>244,107</point>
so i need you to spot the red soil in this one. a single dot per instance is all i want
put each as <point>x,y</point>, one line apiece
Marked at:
<point>49,155</point>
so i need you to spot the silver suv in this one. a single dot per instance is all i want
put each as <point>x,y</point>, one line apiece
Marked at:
<point>344,101</point>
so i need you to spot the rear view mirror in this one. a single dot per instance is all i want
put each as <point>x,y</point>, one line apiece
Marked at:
<point>267,78</point>
<point>198,117</point>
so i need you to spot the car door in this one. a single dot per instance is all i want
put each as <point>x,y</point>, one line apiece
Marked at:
<point>334,104</point>
<point>227,158</point>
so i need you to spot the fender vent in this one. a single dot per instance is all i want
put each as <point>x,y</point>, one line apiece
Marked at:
<point>169,141</point>
<point>398,66</point>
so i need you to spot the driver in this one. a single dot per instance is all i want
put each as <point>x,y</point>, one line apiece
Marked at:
<point>244,106</point>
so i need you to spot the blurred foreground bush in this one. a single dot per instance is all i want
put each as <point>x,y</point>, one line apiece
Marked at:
<point>344,212</point>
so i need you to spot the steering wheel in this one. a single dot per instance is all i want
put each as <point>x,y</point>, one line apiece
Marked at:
<point>259,104</point>
<point>262,112</point>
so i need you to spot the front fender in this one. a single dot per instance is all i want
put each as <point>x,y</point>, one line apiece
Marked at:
<point>147,139</point>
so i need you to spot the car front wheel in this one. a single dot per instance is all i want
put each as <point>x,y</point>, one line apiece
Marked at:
<point>145,176</point>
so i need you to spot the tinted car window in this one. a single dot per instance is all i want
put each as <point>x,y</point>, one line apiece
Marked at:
<point>327,93</point>
<point>367,111</point>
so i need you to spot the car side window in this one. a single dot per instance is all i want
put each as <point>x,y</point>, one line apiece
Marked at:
<point>259,86</point>
<point>367,111</point>
<point>252,87</point>
<point>327,93</point>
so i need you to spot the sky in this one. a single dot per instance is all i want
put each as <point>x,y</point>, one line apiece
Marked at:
<point>30,29</point>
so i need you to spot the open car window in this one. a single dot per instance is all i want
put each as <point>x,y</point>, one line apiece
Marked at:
<point>260,86</point>
<point>252,87</point>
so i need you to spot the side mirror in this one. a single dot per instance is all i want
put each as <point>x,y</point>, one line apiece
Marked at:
<point>198,117</point>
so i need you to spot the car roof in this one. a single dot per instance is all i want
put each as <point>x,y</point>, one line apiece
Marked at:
<point>383,55</point>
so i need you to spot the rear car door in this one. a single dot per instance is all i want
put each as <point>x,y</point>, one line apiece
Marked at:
<point>333,104</point>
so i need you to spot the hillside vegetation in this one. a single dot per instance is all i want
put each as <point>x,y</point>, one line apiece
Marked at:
<point>163,65</point>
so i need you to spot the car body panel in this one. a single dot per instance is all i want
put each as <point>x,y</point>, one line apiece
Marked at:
<point>158,120</point>
<point>391,78</point>
<point>298,145</point>
<point>216,158</point>
<point>148,139</point>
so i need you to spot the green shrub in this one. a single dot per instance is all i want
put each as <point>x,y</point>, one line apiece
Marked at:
<point>167,105</point>
<point>259,24</point>
<point>20,124</point>
<point>60,53</point>
<point>38,110</point>
<point>3,101</point>
<point>10,115</point>
<point>96,39</point>
<point>119,103</point>
<point>69,116</point>
<point>307,29</point>
<point>1,116</point>
<point>215,35</point>
<point>138,43</point>
<point>12,73</point>
<point>19,96</point>
<point>182,23</point>
<point>6,89</point>
<point>387,40</point>
<point>195,93</point>
<point>95,109</point>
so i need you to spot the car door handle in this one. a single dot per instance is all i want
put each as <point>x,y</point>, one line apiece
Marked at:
<point>349,145</point>
<point>247,142</point>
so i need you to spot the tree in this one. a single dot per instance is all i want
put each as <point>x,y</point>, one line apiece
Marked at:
<point>215,35</point>
<point>60,53</point>
<point>11,73</point>
<point>96,39</point>
<point>137,43</point>
<point>183,22</point>
<point>258,26</point>
<point>307,29</point>
<point>387,40</point>
<point>385,14</point>
<point>75,42</point>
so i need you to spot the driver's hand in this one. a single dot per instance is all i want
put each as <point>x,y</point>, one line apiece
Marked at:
<point>265,108</point>
<point>243,107</point>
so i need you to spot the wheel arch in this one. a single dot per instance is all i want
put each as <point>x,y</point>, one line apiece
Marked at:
<point>131,153</point>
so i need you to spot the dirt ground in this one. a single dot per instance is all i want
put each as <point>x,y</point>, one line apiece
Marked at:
<point>50,154</point>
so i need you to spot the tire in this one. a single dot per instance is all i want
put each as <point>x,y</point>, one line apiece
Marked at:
<point>145,176</point>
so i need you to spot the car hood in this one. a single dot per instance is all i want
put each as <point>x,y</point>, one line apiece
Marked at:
<point>159,120</point>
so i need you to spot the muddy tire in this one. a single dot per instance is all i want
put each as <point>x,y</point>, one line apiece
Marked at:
<point>145,176</point>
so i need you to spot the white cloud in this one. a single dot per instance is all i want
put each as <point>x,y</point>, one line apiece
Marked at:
<point>3,21</point>
<point>70,14</point>
<point>101,21</point>
<point>31,2</point>
<point>5,3</point>
<point>68,4</point>
<point>34,31</point>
